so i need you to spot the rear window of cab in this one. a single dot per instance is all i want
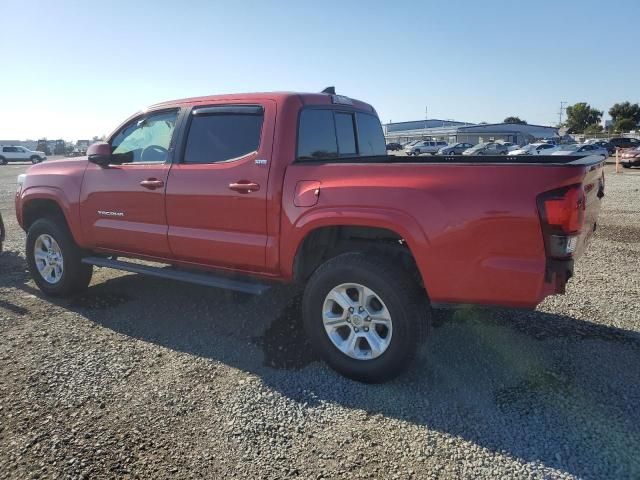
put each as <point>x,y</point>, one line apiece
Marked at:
<point>325,134</point>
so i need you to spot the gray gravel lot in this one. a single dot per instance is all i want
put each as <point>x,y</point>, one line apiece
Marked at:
<point>145,378</point>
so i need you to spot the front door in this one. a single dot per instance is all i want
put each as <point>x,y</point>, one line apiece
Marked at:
<point>122,205</point>
<point>216,197</point>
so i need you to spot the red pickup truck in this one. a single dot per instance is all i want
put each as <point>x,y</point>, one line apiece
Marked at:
<point>240,191</point>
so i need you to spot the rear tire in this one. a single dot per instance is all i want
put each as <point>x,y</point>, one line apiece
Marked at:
<point>3,161</point>
<point>391,293</point>
<point>73,276</point>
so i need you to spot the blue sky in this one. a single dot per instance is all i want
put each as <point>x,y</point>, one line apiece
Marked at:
<point>76,69</point>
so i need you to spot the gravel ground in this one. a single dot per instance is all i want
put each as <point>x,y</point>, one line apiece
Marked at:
<point>145,378</point>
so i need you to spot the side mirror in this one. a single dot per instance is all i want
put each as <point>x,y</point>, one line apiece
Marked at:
<point>100,154</point>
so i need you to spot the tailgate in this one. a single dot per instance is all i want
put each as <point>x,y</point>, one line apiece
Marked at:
<point>593,187</point>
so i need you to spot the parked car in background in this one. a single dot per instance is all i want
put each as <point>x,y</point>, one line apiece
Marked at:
<point>623,142</point>
<point>580,150</point>
<point>454,149</point>
<point>630,158</point>
<point>394,146</point>
<point>604,144</point>
<point>534,149</point>
<point>16,153</point>
<point>82,146</point>
<point>427,146</point>
<point>487,149</point>
<point>510,146</point>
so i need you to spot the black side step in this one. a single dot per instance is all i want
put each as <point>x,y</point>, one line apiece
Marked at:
<point>200,278</point>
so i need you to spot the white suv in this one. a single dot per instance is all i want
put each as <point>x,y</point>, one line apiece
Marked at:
<point>19,154</point>
<point>428,146</point>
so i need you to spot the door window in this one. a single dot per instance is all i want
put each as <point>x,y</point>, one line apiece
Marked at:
<point>146,139</point>
<point>220,134</point>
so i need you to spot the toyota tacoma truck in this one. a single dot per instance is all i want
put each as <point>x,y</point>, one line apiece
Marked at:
<point>245,191</point>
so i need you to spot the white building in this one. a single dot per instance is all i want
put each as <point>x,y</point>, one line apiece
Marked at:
<point>453,132</point>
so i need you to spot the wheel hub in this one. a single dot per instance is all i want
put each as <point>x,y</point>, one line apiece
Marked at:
<point>357,321</point>
<point>48,258</point>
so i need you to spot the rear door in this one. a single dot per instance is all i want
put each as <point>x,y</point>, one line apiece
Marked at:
<point>21,153</point>
<point>216,199</point>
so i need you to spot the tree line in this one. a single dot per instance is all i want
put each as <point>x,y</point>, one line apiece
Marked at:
<point>583,118</point>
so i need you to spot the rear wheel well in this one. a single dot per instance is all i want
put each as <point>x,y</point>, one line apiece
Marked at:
<point>41,208</point>
<point>325,243</point>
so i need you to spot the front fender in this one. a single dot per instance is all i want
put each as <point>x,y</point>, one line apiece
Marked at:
<point>53,194</point>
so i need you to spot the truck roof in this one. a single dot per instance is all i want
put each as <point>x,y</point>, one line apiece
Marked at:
<point>304,98</point>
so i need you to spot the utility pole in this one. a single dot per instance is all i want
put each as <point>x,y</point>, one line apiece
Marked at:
<point>562,109</point>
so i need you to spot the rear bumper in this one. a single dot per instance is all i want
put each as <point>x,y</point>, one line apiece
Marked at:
<point>557,274</point>
<point>632,162</point>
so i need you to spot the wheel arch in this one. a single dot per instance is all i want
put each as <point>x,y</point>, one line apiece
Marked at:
<point>319,238</point>
<point>41,202</point>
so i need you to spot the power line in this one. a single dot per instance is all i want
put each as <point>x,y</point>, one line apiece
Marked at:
<point>562,109</point>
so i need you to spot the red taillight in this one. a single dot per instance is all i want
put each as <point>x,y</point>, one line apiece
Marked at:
<point>562,217</point>
<point>564,210</point>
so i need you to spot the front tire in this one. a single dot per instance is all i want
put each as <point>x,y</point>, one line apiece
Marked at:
<point>54,259</point>
<point>35,160</point>
<point>365,316</point>
<point>3,161</point>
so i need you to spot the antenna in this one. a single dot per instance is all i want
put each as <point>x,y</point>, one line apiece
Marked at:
<point>329,90</point>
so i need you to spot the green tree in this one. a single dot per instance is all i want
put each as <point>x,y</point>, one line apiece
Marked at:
<point>595,128</point>
<point>625,110</point>
<point>580,116</point>
<point>514,120</point>
<point>624,125</point>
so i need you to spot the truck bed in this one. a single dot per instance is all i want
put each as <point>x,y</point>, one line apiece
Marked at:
<point>557,160</point>
<point>472,222</point>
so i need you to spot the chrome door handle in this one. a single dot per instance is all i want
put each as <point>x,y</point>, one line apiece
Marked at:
<point>244,186</point>
<point>152,183</point>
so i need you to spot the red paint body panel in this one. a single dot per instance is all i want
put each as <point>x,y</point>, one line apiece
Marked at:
<point>474,229</point>
<point>211,224</point>
<point>142,228</point>
<point>60,182</point>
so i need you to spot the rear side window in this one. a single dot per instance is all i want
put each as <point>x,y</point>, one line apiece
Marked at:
<point>370,136</point>
<point>317,135</point>
<point>327,134</point>
<point>346,134</point>
<point>219,134</point>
